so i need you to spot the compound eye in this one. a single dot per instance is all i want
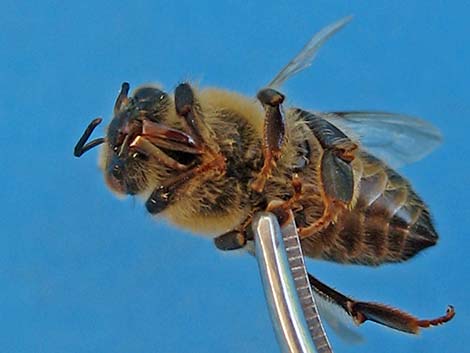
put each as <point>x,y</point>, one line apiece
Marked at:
<point>116,171</point>
<point>148,98</point>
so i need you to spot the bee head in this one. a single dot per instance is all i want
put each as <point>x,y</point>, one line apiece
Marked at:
<point>140,149</point>
<point>125,166</point>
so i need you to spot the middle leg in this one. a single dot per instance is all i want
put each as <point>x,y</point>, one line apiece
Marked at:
<point>273,134</point>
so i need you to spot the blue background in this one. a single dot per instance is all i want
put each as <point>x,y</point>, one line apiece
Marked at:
<point>81,271</point>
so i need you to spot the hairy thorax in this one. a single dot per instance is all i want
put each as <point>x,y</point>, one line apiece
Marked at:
<point>214,203</point>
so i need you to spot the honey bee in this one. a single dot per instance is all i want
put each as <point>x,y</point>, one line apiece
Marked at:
<point>209,159</point>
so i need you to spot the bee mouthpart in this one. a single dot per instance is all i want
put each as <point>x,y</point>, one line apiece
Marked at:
<point>126,135</point>
<point>124,147</point>
<point>171,139</point>
<point>144,146</point>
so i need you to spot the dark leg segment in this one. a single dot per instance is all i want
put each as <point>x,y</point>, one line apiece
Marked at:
<point>232,240</point>
<point>237,238</point>
<point>187,107</point>
<point>329,136</point>
<point>337,177</point>
<point>160,199</point>
<point>273,136</point>
<point>184,103</point>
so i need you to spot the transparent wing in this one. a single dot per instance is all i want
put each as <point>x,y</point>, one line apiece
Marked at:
<point>396,139</point>
<point>307,54</point>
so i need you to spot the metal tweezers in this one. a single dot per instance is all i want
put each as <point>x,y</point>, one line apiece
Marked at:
<point>290,300</point>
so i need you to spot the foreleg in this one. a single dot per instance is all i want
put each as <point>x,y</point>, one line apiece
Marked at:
<point>198,140</point>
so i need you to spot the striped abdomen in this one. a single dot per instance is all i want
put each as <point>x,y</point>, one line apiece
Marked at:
<point>388,223</point>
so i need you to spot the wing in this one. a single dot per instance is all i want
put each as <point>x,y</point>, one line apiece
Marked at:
<point>304,59</point>
<point>396,139</point>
